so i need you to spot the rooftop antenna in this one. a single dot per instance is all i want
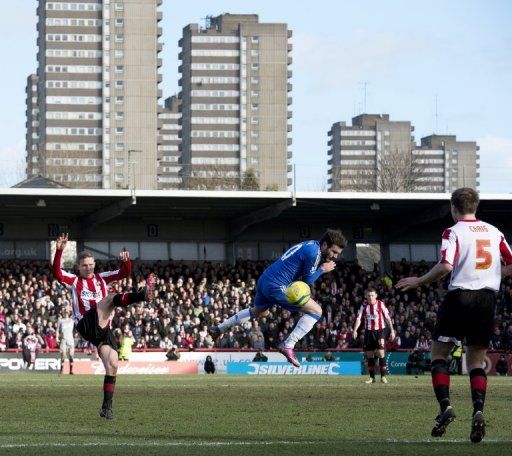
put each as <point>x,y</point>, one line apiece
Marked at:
<point>207,21</point>
<point>363,86</point>
<point>436,116</point>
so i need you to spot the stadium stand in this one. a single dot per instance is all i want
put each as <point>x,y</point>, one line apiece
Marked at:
<point>191,297</point>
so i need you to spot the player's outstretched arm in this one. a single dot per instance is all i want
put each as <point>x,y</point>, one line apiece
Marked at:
<point>436,273</point>
<point>62,241</point>
<point>59,274</point>
<point>123,272</point>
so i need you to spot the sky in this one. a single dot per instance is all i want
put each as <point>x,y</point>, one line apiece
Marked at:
<point>408,53</point>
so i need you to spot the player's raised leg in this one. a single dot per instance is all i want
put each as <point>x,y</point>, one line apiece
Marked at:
<point>441,384</point>
<point>236,320</point>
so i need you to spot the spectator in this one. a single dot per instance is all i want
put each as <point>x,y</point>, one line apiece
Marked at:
<point>127,342</point>
<point>50,340</point>
<point>501,366</point>
<point>328,357</point>
<point>173,354</point>
<point>260,357</point>
<point>415,363</point>
<point>209,366</point>
<point>3,342</point>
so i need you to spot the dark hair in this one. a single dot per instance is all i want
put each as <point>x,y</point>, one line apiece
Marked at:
<point>465,200</point>
<point>369,290</point>
<point>83,255</point>
<point>334,237</point>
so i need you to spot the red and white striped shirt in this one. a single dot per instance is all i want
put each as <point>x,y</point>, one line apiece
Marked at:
<point>374,315</point>
<point>86,293</point>
<point>476,250</point>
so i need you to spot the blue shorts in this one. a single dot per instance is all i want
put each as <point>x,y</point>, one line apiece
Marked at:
<point>269,294</point>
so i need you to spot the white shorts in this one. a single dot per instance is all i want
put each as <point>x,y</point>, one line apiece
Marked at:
<point>66,346</point>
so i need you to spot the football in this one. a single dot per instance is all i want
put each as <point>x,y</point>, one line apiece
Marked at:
<point>298,293</point>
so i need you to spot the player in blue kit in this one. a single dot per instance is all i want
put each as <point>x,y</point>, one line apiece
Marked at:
<point>300,262</point>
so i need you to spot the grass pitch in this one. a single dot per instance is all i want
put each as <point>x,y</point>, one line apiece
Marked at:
<point>225,415</point>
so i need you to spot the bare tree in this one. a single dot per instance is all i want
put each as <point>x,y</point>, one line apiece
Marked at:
<point>399,172</point>
<point>211,177</point>
<point>395,171</point>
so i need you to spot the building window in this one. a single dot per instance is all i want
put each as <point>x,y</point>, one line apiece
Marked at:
<point>119,37</point>
<point>119,22</point>
<point>119,84</point>
<point>255,66</point>
<point>119,115</point>
<point>255,39</point>
<point>119,146</point>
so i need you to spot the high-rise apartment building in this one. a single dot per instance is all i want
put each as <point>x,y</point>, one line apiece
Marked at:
<point>97,93</point>
<point>376,154</point>
<point>235,99</point>
<point>362,155</point>
<point>446,164</point>
<point>169,145</point>
<point>32,126</point>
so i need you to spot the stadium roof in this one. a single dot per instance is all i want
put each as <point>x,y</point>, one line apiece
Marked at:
<point>94,207</point>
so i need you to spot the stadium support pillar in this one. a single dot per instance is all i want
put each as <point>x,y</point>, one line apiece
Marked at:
<point>385,258</point>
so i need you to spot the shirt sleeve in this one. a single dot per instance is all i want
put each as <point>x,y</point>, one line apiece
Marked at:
<point>311,271</point>
<point>385,311</point>
<point>60,275</point>
<point>113,276</point>
<point>505,252</point>
<point>449,247</point>
<point>360,312</point>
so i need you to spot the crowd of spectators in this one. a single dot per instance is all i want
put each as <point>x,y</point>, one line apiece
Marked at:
<point>192,297</point>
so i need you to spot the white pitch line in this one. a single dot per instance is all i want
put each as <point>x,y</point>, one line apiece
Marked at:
<point>239,443</point>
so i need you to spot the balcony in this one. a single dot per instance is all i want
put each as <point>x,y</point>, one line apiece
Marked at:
<point>289,181</point>
<point>289,168</point>
<point>289,155</point>
<point>290,47</point>
<point>289,87</point>
<point>289,141</point>
<point>290,33</point>
<point>159,63</point>
<point>288,114</point>
<point>289,100</point>
<point>289,128</point>
<point>289,74</point>
<point>330,162</point>
<point>159,16</point>
<point>290,60</point>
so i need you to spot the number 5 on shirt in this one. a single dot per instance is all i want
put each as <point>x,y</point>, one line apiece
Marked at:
<point>483,256</point>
